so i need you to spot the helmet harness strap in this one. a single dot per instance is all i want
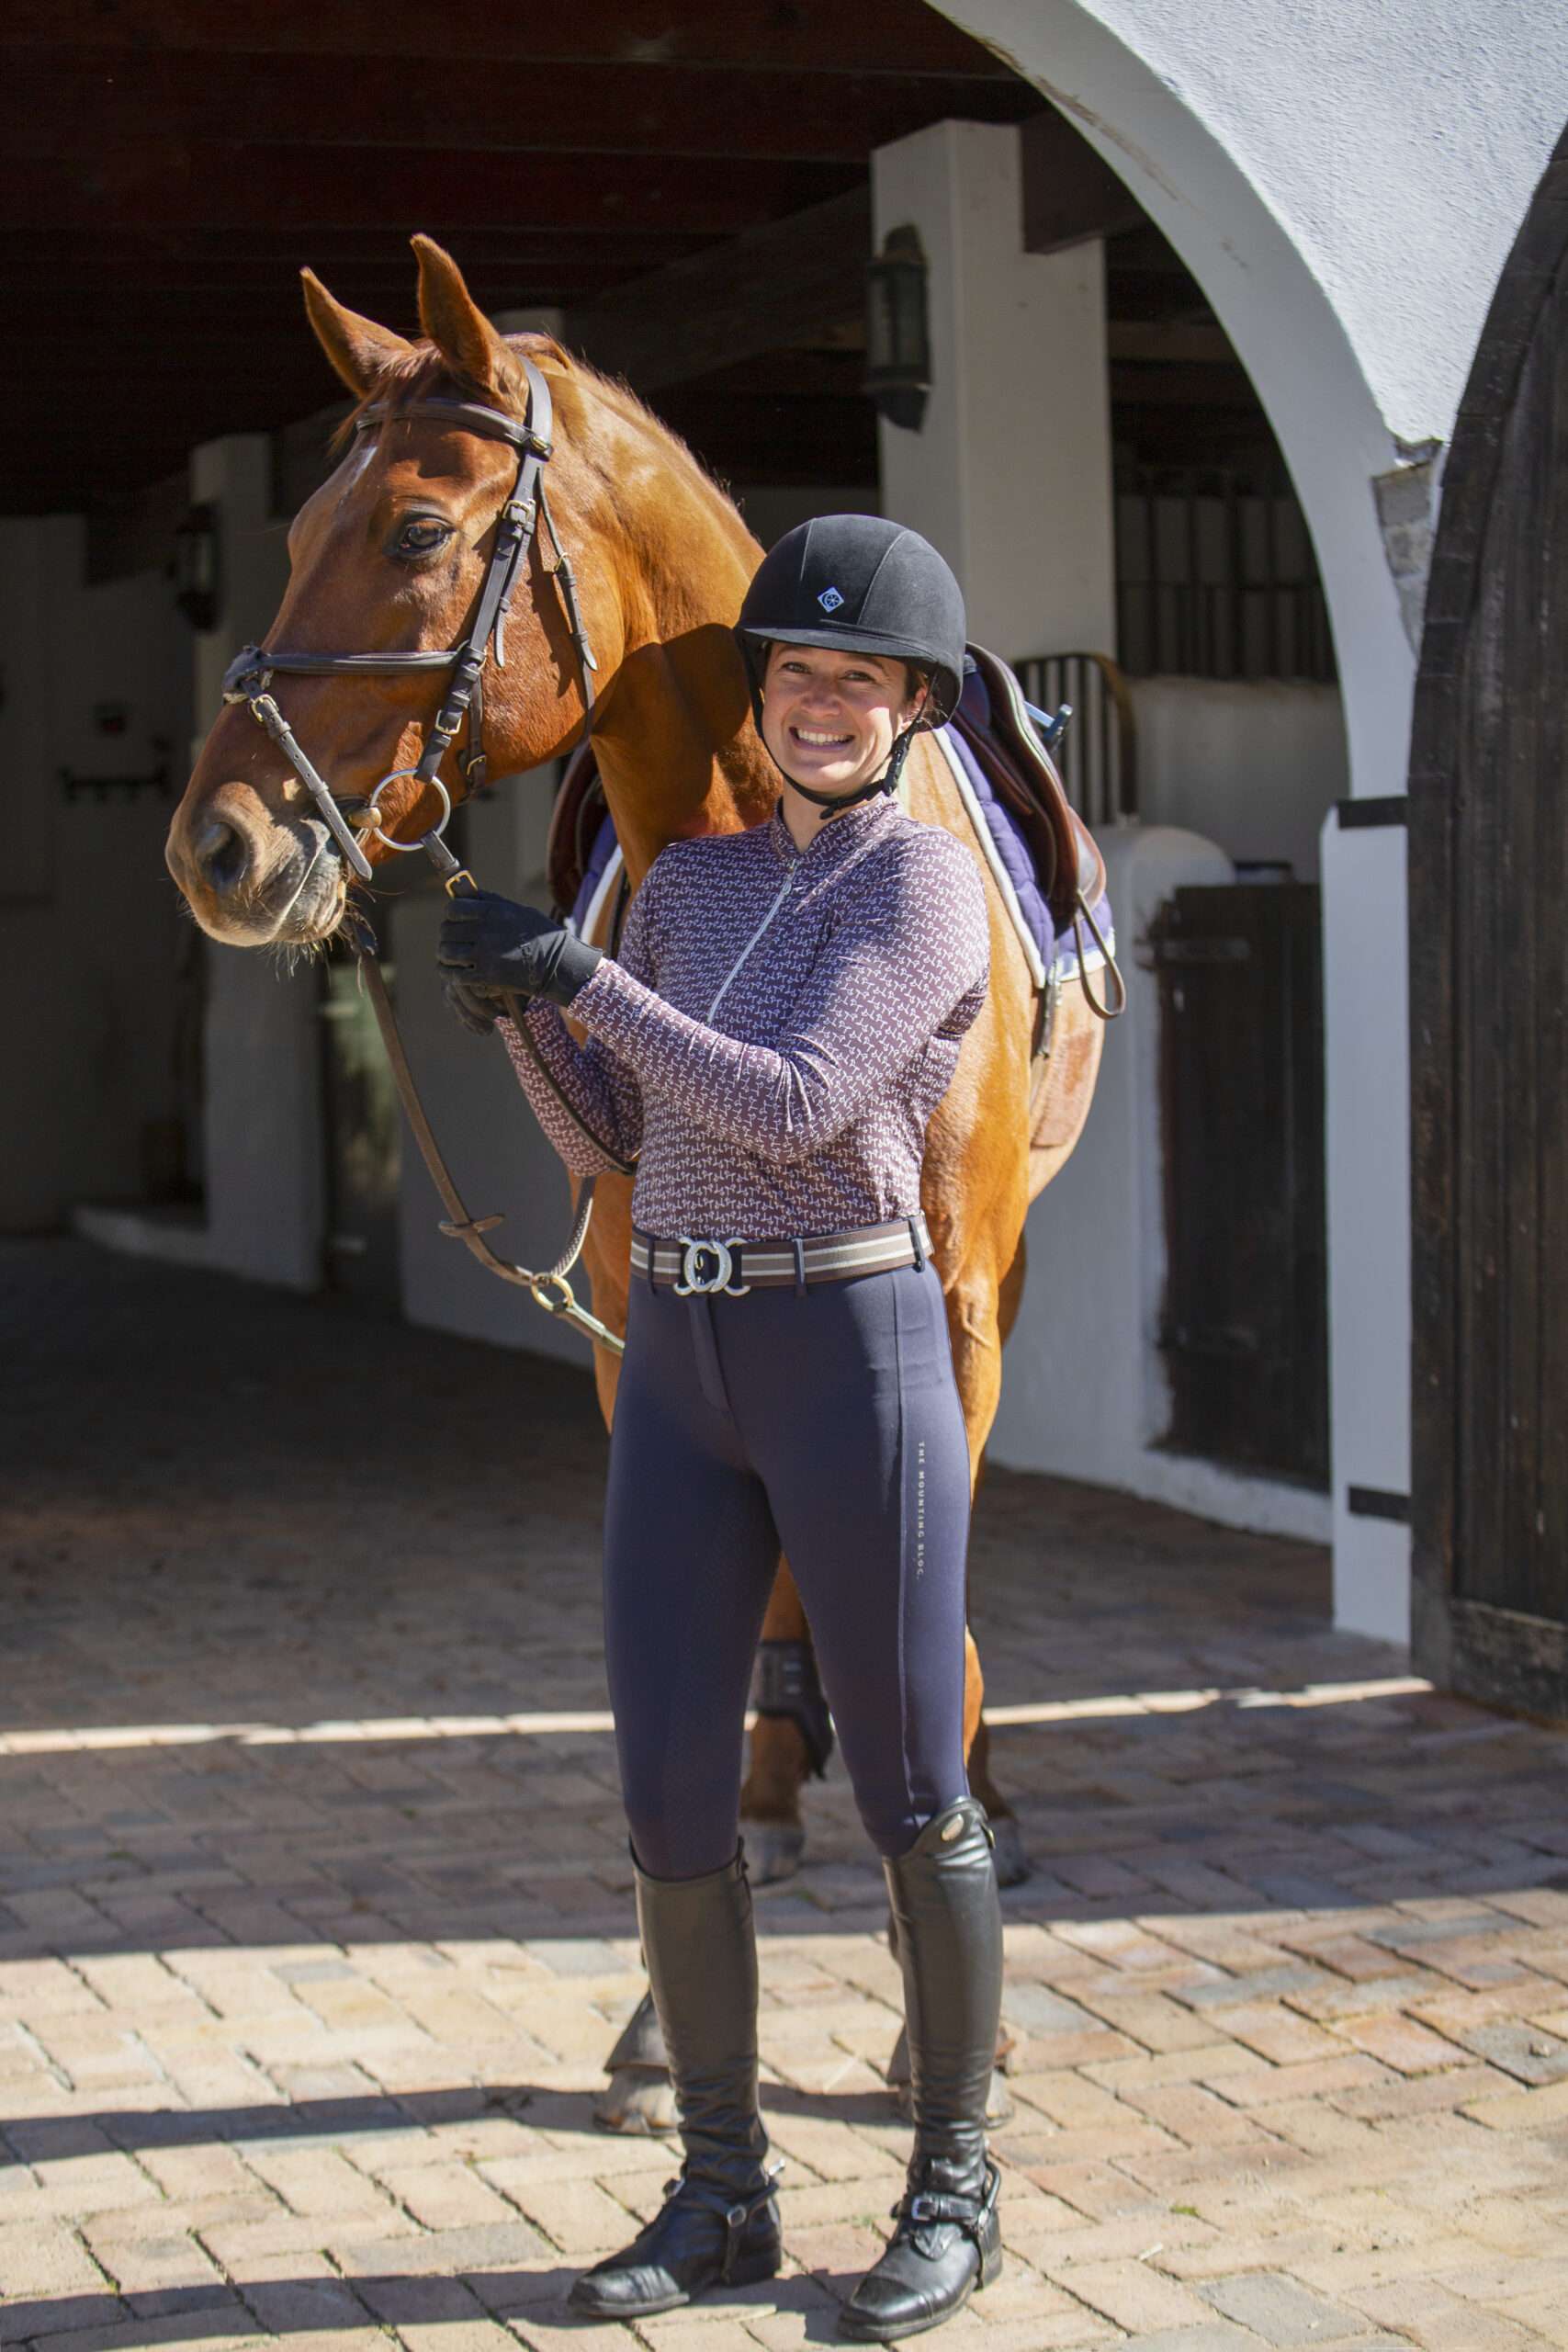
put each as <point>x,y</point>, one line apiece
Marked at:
<point>886,782</point>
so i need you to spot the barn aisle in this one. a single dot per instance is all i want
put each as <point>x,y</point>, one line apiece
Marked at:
<point>315,1922</point>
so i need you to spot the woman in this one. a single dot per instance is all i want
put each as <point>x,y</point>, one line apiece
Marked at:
<point>784,1016</point>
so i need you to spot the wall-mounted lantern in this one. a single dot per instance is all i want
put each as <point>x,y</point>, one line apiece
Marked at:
<point>897,333</point>
<point>197,566</point>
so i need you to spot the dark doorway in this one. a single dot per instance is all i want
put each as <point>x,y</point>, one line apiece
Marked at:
<point>1244,1335</point>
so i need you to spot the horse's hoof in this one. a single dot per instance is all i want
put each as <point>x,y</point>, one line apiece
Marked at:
<point>998,2099</point>
<point>1012,1862</point>
<point>773,1849</point>
<point>636,2101</point>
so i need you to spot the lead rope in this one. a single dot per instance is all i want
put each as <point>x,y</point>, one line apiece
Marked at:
<point>549,1288</point>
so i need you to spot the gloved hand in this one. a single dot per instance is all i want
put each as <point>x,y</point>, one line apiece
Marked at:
<point>478,1009</point>
<point>490,942</point>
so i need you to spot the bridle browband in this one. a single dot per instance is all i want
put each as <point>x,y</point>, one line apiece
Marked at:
<point>250,674</point>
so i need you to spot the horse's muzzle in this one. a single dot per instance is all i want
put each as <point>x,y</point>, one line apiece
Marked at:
<point>283,884</point>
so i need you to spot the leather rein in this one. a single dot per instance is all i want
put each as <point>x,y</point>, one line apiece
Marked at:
<point>248,679</point>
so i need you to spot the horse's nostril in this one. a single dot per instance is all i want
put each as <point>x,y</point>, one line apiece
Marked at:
<point>221,857</point>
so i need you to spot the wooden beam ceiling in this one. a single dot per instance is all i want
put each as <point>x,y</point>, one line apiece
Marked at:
<point>82,101</point>
<point>809,36</point>
<point>690,187</point>
<point>773,288</point>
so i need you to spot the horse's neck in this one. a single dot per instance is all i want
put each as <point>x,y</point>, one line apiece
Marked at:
<point>674,750</point>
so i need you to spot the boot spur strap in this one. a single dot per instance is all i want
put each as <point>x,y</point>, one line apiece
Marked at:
<point>968,2214</point>
<point>738,2216</point>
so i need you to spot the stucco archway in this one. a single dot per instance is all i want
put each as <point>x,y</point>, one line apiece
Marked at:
<point>1345,189</point>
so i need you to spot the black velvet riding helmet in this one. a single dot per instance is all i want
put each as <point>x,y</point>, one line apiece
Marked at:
<point>854,583</point>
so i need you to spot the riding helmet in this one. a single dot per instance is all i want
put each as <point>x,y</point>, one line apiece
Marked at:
<point>854,583</point>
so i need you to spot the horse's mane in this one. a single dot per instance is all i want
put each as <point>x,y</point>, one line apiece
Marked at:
<point>424,372</point>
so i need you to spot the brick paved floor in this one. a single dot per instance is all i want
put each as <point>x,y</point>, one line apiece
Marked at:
<point>315,1929</point>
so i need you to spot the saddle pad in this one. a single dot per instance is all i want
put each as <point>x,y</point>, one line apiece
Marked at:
<point>596,876</point>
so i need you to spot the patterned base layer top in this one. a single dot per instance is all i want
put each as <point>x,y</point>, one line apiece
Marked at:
<point>778,1027</point>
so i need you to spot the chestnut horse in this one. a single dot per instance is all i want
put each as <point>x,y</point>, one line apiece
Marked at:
<point>388,554</point>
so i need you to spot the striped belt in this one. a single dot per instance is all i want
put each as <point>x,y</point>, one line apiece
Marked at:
<point>707,1266</point>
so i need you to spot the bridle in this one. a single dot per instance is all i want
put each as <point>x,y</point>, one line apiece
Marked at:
<point>247,680</point>
<point>251,672</point>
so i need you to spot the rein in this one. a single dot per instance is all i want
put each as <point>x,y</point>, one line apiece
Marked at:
<point>248,679</point>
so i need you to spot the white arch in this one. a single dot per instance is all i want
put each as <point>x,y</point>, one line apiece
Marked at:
<point>1343,179</point>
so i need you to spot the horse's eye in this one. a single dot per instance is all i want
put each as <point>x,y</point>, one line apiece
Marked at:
<point>421,535</point>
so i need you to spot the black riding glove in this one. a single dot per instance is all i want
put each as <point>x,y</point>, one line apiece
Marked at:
<point>488,942</point>
<point>478,1009</point>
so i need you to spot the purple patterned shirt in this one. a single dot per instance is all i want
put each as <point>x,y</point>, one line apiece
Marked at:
<point>778,1027</point>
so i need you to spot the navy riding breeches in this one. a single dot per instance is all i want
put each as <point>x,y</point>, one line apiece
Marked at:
<point>823,1423</point>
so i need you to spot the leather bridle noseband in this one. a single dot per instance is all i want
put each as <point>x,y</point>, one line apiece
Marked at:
<point>251,672</point>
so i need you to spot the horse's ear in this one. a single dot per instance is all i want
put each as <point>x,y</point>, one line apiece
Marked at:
<point>358,349</point>
<point>458,328</point>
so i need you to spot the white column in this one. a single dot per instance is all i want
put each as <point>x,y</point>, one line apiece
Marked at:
<point>1366,1024</point>
<point>1009,474</point>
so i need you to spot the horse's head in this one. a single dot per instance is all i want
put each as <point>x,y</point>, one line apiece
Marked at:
<point>391,556</point>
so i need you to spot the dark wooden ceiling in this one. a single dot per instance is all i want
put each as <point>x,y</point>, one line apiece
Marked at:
<point>170,165</point>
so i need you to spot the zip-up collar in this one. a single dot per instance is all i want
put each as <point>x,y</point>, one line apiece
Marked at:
<point>854,830</point>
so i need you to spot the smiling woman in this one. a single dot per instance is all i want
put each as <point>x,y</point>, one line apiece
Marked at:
<point>831,719</point>
<point>769,1044</point>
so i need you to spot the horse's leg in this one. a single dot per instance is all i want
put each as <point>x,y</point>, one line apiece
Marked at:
<point>979,1321</point>
<point>789,1740</point>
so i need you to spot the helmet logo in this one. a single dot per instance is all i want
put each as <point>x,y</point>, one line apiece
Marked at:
<point>829,599</point>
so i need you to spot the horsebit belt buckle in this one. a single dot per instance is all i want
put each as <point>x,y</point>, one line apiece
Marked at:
<point>708,1267</point>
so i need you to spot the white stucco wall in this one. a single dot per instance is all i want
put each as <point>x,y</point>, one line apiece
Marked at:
<point>1254,766</point>
<point>1369,1219</point>
<point>1395,144</point>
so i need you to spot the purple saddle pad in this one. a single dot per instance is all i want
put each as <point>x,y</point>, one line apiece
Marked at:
<point>599,857</point>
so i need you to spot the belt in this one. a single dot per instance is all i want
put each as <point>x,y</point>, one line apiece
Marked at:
<point>734,1266</point>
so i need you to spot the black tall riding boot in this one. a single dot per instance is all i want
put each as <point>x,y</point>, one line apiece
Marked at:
<point>949,1929</point>
<point>719,2224</point>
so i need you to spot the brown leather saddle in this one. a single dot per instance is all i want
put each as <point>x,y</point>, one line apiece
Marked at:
<point>996,725</point>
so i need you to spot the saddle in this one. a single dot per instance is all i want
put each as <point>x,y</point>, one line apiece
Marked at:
<point>994,721</point>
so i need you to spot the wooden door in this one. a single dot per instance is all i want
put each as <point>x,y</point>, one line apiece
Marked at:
<point>1489,1012</point>
<point>1244,1332</point>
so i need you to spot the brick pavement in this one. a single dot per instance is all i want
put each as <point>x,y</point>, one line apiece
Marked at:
<point>315,1926</point>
